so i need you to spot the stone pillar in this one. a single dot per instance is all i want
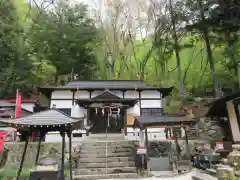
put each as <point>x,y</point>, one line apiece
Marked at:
<point>234,156</point>
<point>223,170</point>
<point>141,138</point>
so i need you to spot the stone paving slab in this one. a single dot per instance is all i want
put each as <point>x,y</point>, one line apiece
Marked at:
<point>188,176</point>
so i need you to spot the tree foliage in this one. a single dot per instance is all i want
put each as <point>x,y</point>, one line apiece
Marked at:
<point>194,43</point>
<point>13,55</point>
<point>64,37</point>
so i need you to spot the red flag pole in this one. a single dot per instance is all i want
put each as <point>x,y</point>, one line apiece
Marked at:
<point>16,104</point>
<point>3,138</point>
<point>18,108</point>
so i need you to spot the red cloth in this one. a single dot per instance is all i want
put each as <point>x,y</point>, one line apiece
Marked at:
<point>3,137</point>
<point>18,105</point>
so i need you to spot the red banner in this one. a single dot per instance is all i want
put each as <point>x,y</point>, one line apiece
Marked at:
<point>3,138</point>
<point>18,107</point>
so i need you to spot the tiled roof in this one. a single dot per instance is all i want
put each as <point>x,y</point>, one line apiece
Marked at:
<point>107,84</point>
<point>162,120</point>
<point>6,104</point>
<point>43,118</point>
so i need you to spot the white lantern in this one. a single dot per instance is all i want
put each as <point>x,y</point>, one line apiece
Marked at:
<point>135,110</point>
<point>77,112</point>
<point>103,112</point>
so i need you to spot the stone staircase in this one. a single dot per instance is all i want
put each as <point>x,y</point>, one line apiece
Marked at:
<point>94,164</point>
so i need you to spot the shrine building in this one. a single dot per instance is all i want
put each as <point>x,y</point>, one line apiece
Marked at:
<point>108,104</point>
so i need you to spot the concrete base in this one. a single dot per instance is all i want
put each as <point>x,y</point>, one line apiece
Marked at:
<point>103,159</point>
<point>103,164</point>
<point>115,170</point>
<point>107,176</point>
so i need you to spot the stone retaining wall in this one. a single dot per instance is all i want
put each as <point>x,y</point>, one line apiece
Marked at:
<point>15,150</point>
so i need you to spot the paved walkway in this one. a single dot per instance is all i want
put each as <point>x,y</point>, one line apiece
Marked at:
<point>187,176</point>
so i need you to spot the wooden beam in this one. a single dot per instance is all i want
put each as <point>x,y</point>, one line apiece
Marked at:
<point>23,157</point>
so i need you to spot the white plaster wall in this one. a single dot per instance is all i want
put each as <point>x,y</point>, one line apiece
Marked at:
<point>151,104</point>
<point>82,95</point>
<point>131,95</point>
<point>56,137</point>
<point>61,103</point>
<point>150,94</point>
<point>28,106</point>
<point>63,94</point>
<point>153,134</point>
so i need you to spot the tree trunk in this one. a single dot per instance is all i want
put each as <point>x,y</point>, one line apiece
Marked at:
<point>231,53</point>
<point>231,46</point>
<point>56,80</point>
<point>177,50</point>
<point>209,51</point>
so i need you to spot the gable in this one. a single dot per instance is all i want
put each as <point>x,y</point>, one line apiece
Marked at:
<point>106,95</point>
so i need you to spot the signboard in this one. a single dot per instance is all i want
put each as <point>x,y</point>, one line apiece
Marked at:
<point>207,146</point>
<point>219,145</point>
<point>206,158</point>
<point>141,150</point>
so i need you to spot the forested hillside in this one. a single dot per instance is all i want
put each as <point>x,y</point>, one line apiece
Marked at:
<point>190,44</point>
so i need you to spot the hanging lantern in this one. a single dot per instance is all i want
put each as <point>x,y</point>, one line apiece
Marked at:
<point>77,112</point>
<point>131,112</point>
<point>103,111</point>
<point>110,112</point>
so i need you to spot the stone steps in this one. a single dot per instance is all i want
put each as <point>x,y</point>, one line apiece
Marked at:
<point>92,162</point>
<point>113,170</point>
<point>106,176</point>
<point>99,160</point>
<point>114,137</point>
<point>103,143</point>
<point>109,146</point>
<point>103,164</point>
<point>109,150</point>
<point>103,155</point>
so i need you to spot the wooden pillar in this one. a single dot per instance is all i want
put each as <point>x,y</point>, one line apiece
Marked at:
<point>38,147</point>
<point>70,152</point>
<point>187,147</point>
<point>63,152</point>
<point>88,119</point>
<point>178,149</point>
<point>125,121</point>
<point>146,145</point>
<point>23,157</point>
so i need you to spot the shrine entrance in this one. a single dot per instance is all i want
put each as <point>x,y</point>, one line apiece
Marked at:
<point>107,113</point>
<point>99,119</point>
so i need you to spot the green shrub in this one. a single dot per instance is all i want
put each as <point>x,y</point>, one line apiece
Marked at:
<point>11,173</point>
<point>230,176</point>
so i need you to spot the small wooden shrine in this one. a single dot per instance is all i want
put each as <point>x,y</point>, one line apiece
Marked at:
<point>42,123</point>
<point>165,121</point>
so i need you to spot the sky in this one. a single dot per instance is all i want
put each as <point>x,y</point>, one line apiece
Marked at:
<point>133,11</point>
